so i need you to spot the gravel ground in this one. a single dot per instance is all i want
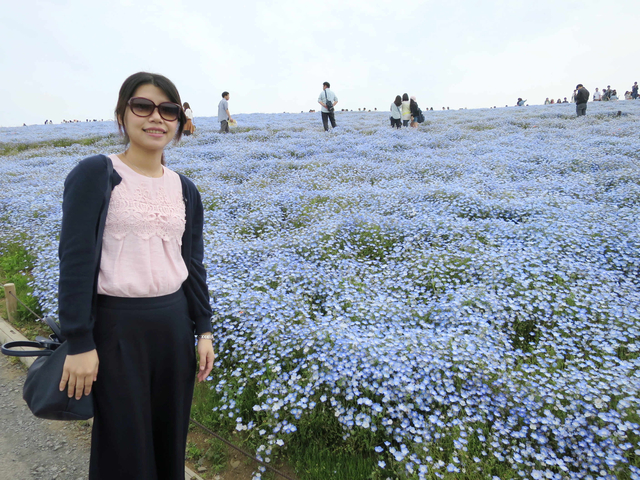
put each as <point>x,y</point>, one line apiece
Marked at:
<point>31,448</point>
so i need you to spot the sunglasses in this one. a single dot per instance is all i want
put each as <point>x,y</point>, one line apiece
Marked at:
<point>143,107</point>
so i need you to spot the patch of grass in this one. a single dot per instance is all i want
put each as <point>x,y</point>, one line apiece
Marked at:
<point>16,263</point>
<point>8,149</point>
<point>480,127</point>
<point>318,451</point>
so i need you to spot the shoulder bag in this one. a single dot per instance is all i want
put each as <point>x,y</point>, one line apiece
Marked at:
<point>41,388</point>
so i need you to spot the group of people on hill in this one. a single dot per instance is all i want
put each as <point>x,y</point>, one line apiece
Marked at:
<point>604,95</point>
<point>405,112</point>
<point>552,102</point>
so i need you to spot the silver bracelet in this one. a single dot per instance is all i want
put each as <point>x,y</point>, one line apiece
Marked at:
<point>205,337</point>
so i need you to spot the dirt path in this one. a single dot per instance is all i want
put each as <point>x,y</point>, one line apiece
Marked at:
<point>31,448</point>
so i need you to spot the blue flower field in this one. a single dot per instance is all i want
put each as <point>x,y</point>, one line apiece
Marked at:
<point>459,301</point>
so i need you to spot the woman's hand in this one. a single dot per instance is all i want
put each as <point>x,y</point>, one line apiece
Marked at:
<point>79,373</point>
<point>205,350</point>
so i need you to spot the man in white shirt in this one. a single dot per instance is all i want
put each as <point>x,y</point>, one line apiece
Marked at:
<point>597,96</point>
<point>324,98</point>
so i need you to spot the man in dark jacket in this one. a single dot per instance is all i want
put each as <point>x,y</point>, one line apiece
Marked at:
<point>582,97</point>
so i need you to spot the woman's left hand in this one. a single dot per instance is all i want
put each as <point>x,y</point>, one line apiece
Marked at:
<point>205,350</point>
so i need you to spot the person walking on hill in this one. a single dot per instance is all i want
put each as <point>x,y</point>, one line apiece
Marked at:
<point>634,90</point>
<point>406,110</point>
<point>189,127</point>
<point>133,292</point>
<point>396,112</point>
<point>328,101</point>
<point>224,117</point>
<point>582,97</point>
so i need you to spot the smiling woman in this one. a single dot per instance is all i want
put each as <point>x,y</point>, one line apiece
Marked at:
<point>141,278</point>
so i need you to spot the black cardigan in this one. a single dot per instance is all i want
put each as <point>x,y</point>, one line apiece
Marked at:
<point>83,218</point>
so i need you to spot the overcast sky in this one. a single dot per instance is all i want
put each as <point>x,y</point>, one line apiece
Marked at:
<point>67,59</point>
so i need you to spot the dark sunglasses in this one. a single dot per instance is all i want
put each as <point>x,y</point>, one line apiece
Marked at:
<point>143,107</point>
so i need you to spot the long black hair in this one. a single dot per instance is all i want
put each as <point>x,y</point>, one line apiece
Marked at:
<point>405,97</point>
<point>398,101</point>
<point>130,86</point>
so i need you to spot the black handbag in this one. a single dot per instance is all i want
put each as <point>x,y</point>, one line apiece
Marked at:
<point>328,103</point>
<point>41,388</point>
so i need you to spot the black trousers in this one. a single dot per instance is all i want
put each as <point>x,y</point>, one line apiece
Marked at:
<point>395,122</point>
<point>325,120</point>
<point>143,394</point>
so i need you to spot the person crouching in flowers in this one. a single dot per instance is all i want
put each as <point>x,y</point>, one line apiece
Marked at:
<point>133,290</point>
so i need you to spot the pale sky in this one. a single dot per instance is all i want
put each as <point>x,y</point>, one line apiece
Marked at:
<point>66,59</point>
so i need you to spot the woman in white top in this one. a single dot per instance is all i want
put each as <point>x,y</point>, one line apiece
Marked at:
<point>396,112</point>
<point>189,127</point>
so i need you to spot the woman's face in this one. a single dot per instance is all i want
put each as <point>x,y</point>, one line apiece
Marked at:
<point>152,132</point>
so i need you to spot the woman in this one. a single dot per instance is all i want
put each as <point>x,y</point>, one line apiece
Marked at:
<point>415,112</point>
<point>396,112</point>
<point>547,102</point>
<point>189,127</point>
<point>406,110</point>
<point>133,290</point>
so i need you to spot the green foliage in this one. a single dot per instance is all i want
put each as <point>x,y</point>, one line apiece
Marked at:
<point>318,450</point>
<point>16,263</point>
<point>193,452</point>
<point>9,149</point>
<point>216,454</point>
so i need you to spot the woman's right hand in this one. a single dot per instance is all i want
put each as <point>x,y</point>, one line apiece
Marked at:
<point>79,373</point>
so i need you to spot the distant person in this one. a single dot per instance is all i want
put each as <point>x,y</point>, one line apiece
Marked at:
<point>416,114</point>
<point>634,90</point>
<point>328,101</point>
<point>559,101</point>
<point>189,127</point>
<point>546,101</point>
<point>406,110</point>
<point>614,95</point>
<point>520,102</point>
<point>224,117</point>
<point>627,95</point>
<point>606,96</point>
<point>566,101</point>
<point>582,97</point>
<point>396,112</point>
<point>552,102</point>
<point>597,95</point>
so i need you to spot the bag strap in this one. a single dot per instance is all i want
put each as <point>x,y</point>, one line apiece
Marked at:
<point>8,347</point>
<point>53,325</point>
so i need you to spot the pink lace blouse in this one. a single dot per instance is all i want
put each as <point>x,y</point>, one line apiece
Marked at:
<point>143,236</point>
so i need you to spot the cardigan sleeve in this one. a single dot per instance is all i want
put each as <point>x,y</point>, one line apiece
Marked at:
<point>83,200</point>
<point>197,291</point>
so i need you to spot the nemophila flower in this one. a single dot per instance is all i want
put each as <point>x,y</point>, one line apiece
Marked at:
<point>415,284</point>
